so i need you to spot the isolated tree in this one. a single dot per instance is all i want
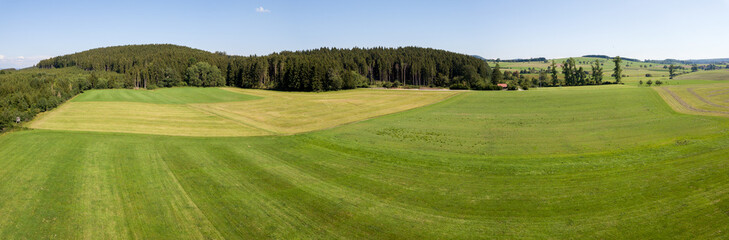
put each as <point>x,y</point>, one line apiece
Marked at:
<point>555,80</point>
<point>671,71</point>
<point>617,71</point>
<point>597,72</point>
<point>649,83</point>
<point>640,82</point>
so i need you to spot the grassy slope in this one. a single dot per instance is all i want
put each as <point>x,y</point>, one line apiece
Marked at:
<point>221,112</point>
<point>544,121</point>
<point>364,180</point>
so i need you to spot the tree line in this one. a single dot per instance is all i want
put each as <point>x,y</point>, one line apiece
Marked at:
<point>324,69</point>
<point>25,93</point>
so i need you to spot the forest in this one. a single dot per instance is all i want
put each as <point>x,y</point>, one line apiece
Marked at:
<point>25,93</point>
<point>324,69</point>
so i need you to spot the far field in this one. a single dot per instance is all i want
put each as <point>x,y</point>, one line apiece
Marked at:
<point>633,71</point>
<point>601,162</point>
<point>226,111</point>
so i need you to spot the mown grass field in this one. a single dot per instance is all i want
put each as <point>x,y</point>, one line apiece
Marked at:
<point>582,162</point>
<point>226,112</point>
<point>164,96</point>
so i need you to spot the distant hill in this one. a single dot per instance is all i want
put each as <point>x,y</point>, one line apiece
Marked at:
<point>323,69</point>
<point>665,61</point>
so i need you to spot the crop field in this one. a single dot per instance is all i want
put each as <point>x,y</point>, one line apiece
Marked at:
<point>575,162</point>
<point>226,112</point>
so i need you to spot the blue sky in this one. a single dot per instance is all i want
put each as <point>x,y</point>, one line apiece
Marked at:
<point>34,30</point>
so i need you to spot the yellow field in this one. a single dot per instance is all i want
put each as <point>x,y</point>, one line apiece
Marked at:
<point>275,113</point>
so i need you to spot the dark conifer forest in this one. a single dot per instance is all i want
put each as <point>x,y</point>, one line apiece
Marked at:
<point>324,69</point>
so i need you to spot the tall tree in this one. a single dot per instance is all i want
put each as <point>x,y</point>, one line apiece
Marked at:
<point>553,70</point>
<point>597,72</point>
<point>497,76</point>
<point>671,71</point>
<point>569,71</point>
<point>542,78</point>
<point>618,70</point>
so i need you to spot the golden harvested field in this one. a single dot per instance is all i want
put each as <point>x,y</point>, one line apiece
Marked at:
<point>269,113</point>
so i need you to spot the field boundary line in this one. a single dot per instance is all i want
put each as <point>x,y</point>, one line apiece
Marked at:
<point>457,93</point>
<point>691,90</point>
<point>200,109</point>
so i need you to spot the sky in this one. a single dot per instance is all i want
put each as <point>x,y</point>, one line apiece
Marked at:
<point>34,30</point>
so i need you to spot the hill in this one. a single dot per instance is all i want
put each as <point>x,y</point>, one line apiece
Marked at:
<point>311,70</point>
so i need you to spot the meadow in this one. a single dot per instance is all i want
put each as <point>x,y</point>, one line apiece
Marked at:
<point>226,111</point>
<point>574,162</point>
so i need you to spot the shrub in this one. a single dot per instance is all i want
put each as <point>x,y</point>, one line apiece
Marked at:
<point>458,86</point>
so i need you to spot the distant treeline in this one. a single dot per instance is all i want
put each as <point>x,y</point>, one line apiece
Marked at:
<point>690,62</point>
<point>608,57</point>
<point>149,66</point>
<point>670,61</point>
<point>539,59</point>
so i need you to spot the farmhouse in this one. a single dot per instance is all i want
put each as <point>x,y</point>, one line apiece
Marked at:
<point>503,85</point>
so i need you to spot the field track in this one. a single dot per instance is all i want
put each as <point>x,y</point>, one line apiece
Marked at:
<point>704,100</point>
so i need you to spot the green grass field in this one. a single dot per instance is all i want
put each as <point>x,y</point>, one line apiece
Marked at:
<point>607,162</point>
<point>164,96</point>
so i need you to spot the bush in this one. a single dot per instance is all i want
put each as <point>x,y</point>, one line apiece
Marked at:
<point>458,86</point>
<point>648,75</point>
<point>512,87</point>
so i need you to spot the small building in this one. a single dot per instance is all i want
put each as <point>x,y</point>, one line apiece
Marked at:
<point>17,120</point>
<point>503,85</point>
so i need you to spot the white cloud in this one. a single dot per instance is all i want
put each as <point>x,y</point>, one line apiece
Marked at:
<point>19,61</point>
<point>262,10</point>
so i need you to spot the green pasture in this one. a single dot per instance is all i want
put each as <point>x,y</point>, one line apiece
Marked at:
<point>164,96</point>
<point>601,162</point>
